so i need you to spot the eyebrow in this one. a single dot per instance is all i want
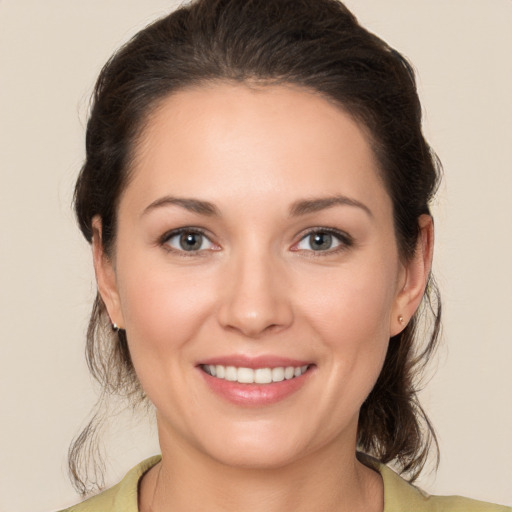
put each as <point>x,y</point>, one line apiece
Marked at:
<point>306,206</point>
<point>302,207</point>
<point>193,205</point>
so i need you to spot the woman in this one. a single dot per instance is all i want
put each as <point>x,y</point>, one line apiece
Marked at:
<point>256,192</point>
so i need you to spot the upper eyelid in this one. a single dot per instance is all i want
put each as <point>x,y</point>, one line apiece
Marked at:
<point>163,241</point>
<point>345,240</point>
<point>343,235</point>
<point>188,229</point>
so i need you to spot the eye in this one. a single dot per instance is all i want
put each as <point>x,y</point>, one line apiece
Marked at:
<point>323,241</point>
<point>188,240</point>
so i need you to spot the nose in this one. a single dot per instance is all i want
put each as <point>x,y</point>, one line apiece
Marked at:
<point>255,300</point>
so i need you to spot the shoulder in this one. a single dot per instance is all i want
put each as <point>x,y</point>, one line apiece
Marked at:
<point>121,497</point>
<point>401,496</point>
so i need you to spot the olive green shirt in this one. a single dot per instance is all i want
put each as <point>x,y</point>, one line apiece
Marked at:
<point>399,496</point>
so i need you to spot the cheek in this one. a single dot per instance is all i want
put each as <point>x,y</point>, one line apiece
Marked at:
<point>163,309</point>
<point>350,314</point>
<point>351,303</point>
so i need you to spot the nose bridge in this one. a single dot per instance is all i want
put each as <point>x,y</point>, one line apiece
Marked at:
<point>255,299</point>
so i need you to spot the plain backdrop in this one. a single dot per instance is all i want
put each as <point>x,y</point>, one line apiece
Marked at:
<point>50,54</point>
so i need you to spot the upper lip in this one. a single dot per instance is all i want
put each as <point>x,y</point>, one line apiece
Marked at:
<point>263,361</point>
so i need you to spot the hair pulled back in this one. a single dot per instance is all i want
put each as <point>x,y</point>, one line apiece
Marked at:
<point>315,44</point>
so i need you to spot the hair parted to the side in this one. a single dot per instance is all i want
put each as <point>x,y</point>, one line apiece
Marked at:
<point>314,44</point>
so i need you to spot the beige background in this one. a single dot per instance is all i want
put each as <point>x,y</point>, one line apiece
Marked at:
<point>50,54</point>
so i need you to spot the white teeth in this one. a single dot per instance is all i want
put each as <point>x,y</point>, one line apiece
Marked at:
<point>263,376</point>
<point>258,376</point>
<point>231,373</point>
<point>245,375</point>
<point>277,374</point>
<point>288,372</point>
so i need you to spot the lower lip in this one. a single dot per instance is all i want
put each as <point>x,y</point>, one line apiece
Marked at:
<point>255,395</point>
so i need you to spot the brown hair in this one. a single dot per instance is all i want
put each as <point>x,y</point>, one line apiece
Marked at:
<point>315,44</point>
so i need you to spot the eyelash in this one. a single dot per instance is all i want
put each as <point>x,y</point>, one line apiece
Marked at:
<point>164,240</point>
<point>345,241</point>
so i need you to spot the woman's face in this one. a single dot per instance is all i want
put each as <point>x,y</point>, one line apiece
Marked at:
<point>255,243</point>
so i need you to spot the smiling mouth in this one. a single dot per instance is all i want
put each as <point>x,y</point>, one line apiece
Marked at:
<point>254,376</point>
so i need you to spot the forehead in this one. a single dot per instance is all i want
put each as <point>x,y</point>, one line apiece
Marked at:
<point>229,140</point>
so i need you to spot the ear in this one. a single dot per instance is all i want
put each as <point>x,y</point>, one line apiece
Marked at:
<point>414,278</point>
<point>105,275</point>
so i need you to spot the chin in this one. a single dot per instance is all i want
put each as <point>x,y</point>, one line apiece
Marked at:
<point>256,456</point>
<point>265,445</point>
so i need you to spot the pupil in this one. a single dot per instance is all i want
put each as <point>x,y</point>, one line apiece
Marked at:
<point>190,241</point>
<point>321,241</point>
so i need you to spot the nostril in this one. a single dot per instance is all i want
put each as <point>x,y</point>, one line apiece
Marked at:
<point>254,301</point>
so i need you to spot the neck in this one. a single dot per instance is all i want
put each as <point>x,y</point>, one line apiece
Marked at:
<point>322,482</point>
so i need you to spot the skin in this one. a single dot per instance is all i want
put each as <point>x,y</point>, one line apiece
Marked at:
<point>258,287</point>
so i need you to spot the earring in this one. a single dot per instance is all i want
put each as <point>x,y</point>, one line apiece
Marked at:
<point>401,319</point>
<point>115,327</point>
